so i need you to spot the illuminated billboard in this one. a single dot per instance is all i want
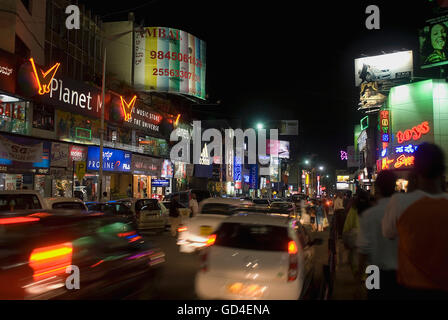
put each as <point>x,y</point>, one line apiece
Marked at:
<point>433,43</point>
<point>169,60</point>
<point>279,147</point>
<point>390,66</point>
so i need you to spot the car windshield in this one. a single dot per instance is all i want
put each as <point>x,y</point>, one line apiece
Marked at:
<point>12,202</point>
<point>261,201</point>
<point>148,204</point>
<point>281,205</point>
<point>219,208</point>
<point>252,237</point>
<point>68,206</point>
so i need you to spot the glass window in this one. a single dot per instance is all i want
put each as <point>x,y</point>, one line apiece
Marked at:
<point>68,206</point>
<point>218,208</point>
<point>13,117</point>
<point>253,237</point>
<point>12,202</point>
<point>148,204</point>
<point>43,117</point>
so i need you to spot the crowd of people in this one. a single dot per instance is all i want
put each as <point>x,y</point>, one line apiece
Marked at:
<point>402,234</point>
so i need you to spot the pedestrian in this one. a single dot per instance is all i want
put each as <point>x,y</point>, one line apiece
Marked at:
<point>373,247</point>
<point>174,215</point>
<point>320,214</point>
<point>418,220</point>
<point>339,216</point>
<point>193,205</point>
<point>105,198</point>
<point>129,191</point>
<point>351,228</point>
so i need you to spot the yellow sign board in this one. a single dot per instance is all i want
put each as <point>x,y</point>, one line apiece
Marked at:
<point>80,169</point>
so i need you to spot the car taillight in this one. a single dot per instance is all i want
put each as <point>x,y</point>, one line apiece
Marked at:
<point>293,261</point>
<point>211,240</point>
<point>50,261</point>
<point>204,257</point>
<point>15,220</point>
<point>182,229</point>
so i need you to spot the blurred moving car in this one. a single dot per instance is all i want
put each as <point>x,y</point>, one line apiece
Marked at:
<point>114,208</point>
<point>17,200</point>
<point>256,256</point>
<point>283,208</point>
<point>149,213</point>
<point>66,204</point>
<point>185,196</point>
<point>184,211</point>
<point>111,256</point>
<point>194,233</point>
<point>261,202</point>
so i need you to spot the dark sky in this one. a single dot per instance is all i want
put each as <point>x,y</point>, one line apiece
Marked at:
<point>286,59</point>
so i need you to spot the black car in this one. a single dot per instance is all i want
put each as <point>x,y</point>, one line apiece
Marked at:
<point>113,259</point>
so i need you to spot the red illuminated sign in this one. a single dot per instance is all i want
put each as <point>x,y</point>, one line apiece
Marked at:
<point>127,107</point>
<point>415,133</point>
<point>404,161</point>
<point>44,79</point>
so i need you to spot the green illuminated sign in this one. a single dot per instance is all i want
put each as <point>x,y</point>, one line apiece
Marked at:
<point>364,123</point>
<point>82,133</point>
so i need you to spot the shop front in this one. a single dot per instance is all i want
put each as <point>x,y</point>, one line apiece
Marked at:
<point>180,181</point>
<point>24,164</point>
<point>144,169</point>
<point>117,175</point>
<point>415,113</point>
<point>162,184</point>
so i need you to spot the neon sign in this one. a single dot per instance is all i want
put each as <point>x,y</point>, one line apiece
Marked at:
<point>344,155</point>
<point>385,163</point>
<point>415,133</point>
<point>406,149</point>
<point>44,78</point>
<point>404,161</point>
<point>127,107</point>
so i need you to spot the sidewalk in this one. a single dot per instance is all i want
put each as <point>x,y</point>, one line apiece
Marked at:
<point>345,287</point>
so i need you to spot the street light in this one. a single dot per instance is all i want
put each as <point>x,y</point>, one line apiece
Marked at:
<point>259,126</point>
<point>321,168</point>
<point>307,162</point>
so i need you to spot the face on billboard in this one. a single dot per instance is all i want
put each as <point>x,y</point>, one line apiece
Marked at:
<point>398,65</point>
<point>169,60</point>
<point>433,43</point>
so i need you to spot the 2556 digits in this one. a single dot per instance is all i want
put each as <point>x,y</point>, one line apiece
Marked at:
<point>175,73</point>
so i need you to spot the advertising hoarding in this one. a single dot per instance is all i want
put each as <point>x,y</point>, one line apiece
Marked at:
<point>169,60</point>
<point>433,43</point>
<point>167,169</point>
<point>279,147</point>
<point>160,182</point>
<point>113,160</point>
<point>390,66</point>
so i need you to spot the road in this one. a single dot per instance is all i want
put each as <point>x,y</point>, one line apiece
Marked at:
<point>176,280</point>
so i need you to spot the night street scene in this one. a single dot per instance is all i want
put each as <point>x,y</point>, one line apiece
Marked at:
<point>223,150</point>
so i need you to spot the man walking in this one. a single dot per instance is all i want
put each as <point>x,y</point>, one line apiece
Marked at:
<point>193,205</point>
<point>418,220</point>
<point>373,247</point>
<point>174,215</point>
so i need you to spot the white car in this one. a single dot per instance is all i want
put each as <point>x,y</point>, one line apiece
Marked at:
<point>16,200</point>
<point>66,204</point>
<point>193,234</point>
<point>256,256</point>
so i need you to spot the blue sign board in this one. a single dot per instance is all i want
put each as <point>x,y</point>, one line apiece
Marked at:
<point>253,176</point>
<point>160,182</point>
<point>237,168</point>
<point>113,160</point>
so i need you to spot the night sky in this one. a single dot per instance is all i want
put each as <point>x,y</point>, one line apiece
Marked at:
<point>286,59</point>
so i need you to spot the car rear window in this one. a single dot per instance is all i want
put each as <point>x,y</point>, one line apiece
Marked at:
<point>252,237</point>
<point>148,204</point>
<point>218,208</point>
<point>261,201</point>
<point>68,206</point>
<point>14,202</point>
<point>281,205</point>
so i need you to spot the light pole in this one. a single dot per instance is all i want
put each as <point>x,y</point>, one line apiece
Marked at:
<point>103,106</point>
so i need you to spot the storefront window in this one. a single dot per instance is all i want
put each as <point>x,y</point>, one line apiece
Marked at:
<point>62,188</point>
<point>153,146</point>
<point>13,116</point>
<point>43,117</point>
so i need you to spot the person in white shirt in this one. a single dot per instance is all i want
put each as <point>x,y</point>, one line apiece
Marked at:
<point>373,247</point>
<point>193,205</point>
